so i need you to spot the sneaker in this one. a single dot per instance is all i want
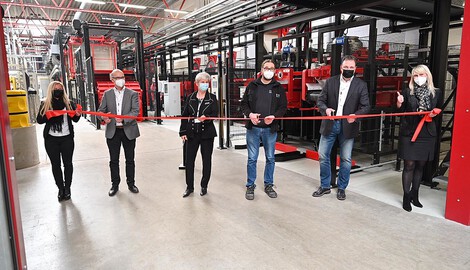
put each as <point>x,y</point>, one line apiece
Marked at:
<point>341,195</point>
<point>321,191</point>
<point>250,192</point>
<point>270,191</point>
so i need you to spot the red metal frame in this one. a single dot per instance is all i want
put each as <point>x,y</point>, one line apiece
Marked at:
<point>458,189</point>
<point>13,198</point>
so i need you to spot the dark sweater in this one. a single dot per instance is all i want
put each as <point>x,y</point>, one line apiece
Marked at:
<point>265,99</point>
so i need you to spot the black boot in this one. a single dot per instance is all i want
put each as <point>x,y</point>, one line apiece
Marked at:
<point>60,195</point>
<point>406,202</point>
<point>67,194</point>
<point>414,198</point>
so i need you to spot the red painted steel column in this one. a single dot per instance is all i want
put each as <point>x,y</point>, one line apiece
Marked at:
<point>8,153</point>
<point>458,190</point>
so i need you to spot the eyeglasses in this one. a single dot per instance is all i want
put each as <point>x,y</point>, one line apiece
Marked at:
<point>269,69</point>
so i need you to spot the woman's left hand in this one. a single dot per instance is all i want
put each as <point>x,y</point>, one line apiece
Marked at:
<point>432,114</point>
<point>77,113</point>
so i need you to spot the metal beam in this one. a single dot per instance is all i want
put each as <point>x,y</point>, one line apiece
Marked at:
<point>308,15</point>
<point>94,11</point>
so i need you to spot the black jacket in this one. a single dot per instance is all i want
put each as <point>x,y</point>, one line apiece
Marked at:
<point>208,108</point>
<point>357,102</point>
<point>41,119</point>
<point>278,103</point>
<point>409,123</point>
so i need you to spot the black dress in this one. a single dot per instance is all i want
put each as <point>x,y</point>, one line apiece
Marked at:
<point>424,146</point>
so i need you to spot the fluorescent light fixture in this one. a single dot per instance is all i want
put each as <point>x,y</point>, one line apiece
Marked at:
<point>132,6</point>
<point>176,11</point>
<point>91,2</point>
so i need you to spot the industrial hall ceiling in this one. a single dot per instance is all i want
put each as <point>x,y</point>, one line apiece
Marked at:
<point>34,21</point>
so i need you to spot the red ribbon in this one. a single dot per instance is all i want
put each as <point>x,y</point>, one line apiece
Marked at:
<point>426,118</point>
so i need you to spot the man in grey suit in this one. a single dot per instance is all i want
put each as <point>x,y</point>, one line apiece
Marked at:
<point>120,100</point>
<point>343,94</point>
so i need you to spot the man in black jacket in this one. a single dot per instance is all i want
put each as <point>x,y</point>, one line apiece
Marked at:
<point>342,95</point>
<point>263,101</point>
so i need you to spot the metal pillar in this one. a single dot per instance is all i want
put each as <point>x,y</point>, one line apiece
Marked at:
<point>119,60</point>
<point>15,252</point>
<point>62,63</point>
<point>140,67</point>
<point>158,102</point>
<point>259,48</point>
<point>190,62</point>
<point>458,189</point>
<point>229,85</point>
<point>438,66</point>
<point>220,94</point>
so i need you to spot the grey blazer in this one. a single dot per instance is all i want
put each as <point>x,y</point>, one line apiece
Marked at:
<point>130,106</point>
<point>357,102</point>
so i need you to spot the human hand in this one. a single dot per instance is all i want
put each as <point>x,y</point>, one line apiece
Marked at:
<point>330,112</point>
<point>106,119</point>
<point>269,119</point>
<point>184,138</point>
<point>400,99</point>
<point>202,118</point>
<point>254,117</point>
<point>77,113</point>
<point>351,120</point>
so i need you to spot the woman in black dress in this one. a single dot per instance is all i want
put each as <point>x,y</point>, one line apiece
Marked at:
<point>199,131</point>
<point>420,96</point>
<point>58,136</point>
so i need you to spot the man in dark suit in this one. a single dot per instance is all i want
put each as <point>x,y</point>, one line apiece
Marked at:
<point>120,100</point>
<point>343,94</point>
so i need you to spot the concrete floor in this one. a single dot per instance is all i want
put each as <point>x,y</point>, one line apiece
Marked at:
<point>158,229</point>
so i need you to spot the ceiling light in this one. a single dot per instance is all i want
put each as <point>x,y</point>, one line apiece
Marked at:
<point>176,11</point>
<point>132,6</point>
<point>91,2</point>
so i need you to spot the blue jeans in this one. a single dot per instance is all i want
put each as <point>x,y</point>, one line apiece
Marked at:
<point>253,138</point>
<point>346,145</point>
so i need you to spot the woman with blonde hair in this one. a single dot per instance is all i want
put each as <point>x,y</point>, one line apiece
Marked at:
<point>58,136</point>
<point>420,96</point>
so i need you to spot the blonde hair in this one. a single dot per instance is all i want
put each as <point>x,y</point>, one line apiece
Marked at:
<point>421,69</point>
<point>49,97</point>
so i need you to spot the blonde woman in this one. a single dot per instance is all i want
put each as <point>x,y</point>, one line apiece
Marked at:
<point>58,136</point>
<point>420,96</point>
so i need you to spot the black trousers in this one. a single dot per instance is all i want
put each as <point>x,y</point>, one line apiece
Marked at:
<point>192,146</point>
<point>114,147</point>
<point>57,147</point>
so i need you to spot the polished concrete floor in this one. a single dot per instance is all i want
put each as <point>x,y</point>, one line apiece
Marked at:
<point>158,229</point>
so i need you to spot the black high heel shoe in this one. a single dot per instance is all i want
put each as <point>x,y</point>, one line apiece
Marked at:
<point>203,191</point>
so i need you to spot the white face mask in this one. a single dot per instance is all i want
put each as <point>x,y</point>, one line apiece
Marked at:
<point>268,75</point>
<point>420,80</point>
<point>120,83</point>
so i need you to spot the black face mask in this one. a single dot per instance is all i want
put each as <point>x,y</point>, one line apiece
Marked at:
<point>348,73</point>
<point>58,93</point>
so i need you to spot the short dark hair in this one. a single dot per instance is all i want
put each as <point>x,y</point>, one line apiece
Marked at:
<point>349,57</point>
<point>267,61</point>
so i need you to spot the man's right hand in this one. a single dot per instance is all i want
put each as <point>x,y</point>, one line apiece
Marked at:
<point>330,112</point>
<point>254,117</point>
<point>106,119</point>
